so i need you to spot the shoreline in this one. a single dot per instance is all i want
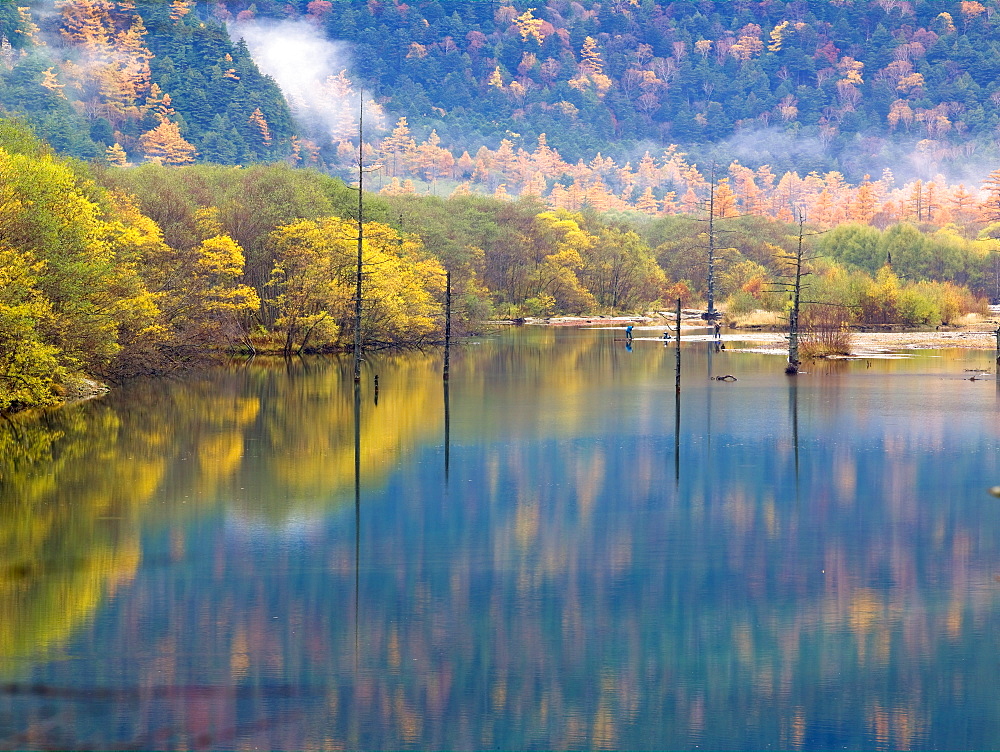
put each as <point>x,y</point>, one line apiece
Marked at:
<point>971,337</point>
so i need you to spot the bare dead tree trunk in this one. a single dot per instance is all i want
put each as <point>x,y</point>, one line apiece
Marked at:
<point>447,324</point>
<point>711,249</point>
<point>677,350</point>
<point>793,319</point>
<point>361,218</point>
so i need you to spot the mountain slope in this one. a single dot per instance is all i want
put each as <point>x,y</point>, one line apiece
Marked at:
<point>94,74</point>
<point>835,84</point>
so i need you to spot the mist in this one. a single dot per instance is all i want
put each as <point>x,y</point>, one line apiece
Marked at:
<point>313,74</point>
<point>802,152</point>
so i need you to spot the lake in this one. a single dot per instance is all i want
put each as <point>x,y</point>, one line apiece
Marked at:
<point>542,555</point>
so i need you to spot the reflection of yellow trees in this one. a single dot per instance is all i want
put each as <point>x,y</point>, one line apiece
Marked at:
<point>869,622</point>
<point>59,559</point>
<point>222,422</point>
<point>190,441</point>
<point>847,626</point>
<point>41,606</point>
<point>75,484</point>
<point>219,455</point>
<point>576,377</point>
<point>309,422</point>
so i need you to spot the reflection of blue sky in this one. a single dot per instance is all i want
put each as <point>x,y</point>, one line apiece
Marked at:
<point>297,525</point>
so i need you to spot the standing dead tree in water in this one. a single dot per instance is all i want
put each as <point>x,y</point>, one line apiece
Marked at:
<point>361,221</point>
<point>361,224</point>
<point>796,264</point>
<point>711,206</point>
<point>447,325</point>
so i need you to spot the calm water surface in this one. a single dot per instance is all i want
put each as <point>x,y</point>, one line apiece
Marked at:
<point>534,558</point>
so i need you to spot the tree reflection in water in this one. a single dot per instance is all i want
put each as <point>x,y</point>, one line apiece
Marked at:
<point>804,581</point>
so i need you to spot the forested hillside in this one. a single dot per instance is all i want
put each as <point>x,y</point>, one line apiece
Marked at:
<point>853,77</point>
<point>853,86</point>
<point>875,112</point>
<point>121,81</point>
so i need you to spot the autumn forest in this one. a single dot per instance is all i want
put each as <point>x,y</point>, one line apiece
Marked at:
<point>167,194</point>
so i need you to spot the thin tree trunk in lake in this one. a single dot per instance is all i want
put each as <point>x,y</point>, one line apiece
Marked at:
<point>447,324</point>
<point>357,513</point>
<point>793,318</point>
<point>711,250</point>
<point>447,362</point>
<point>361,217</point>
<point>677,350</point>
<point>793,408</point>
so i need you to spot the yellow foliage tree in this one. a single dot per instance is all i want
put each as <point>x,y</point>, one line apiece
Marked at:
<point>28,365</point>
<point>313,279</point>
<point>496,79</point>
<point>777,37</point>
<point>179,9</point>
<point>880,300</point>
<point>92,287</point>
<point>590,56</point>
<point>116,155</point>
<point>561,244</point>
<point>397,147</point>
<point>529,26</point>
<point>200,304</point>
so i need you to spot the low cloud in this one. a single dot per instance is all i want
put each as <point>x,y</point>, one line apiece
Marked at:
<point>313,73</point>
<point>804,152</point>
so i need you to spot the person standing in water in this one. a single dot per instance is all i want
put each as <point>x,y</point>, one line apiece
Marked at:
<point>628,333</point>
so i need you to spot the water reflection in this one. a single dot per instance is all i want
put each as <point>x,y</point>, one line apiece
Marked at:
<point>815,569</point>
<point>793,413</point>
<point>357,515</point>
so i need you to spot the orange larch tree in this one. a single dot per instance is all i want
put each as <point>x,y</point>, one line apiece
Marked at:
<point>645,173</point>
<point>647,203</point>
<point>165,145</point>
<point>962,205</point>
<point>86,23</point>
<point>260,122</point>
<point>932,201</point>
<point>915,201</point>
<point>112,72</point>
<point>690,201</point>
<point>397,148</point>
<point>464,166</point>
<point>746,189</point>
<point>725,200</point>
<point>990,205</point>
<point>504,159</point>
<point>865,202</point>
<point>820,211</point>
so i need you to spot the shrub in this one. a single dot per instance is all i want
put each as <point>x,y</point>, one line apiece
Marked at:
<point>741,303</point>
<point>824,331</point>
